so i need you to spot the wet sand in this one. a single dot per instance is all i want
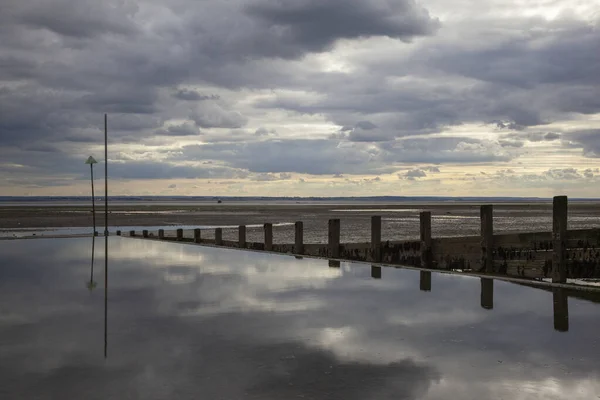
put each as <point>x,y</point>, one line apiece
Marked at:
<point>400,220</point>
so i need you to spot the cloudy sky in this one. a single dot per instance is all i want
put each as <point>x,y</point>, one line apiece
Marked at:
<point>302,97</point>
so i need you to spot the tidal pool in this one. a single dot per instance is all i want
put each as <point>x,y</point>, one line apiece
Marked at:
<point>190,322</point>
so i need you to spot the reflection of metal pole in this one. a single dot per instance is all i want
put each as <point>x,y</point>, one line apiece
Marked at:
<point>92,285</point>
<point>105,294</point>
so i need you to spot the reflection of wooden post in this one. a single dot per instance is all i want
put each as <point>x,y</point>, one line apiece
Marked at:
<point>334,264</point>
<point>376,238</point>
<point>197,235</point>
<point>161,234</point>
<point>219,236</point>
<point>561,309</point>
<point>131,233</point>
<point>425,281</point>
<point>242,236</point>
<point>487,238</point>
<point>268,237</point>
<point>559,239</point>
<point>299,245</point>
<point>375,272</point>
<point>425,220</point>
<point>334,238</point>
<point>145,233</point>
<point>487,293</point>
<point>180,234</point>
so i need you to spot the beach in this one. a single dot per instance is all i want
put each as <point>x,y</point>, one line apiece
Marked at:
<point>400,220</point>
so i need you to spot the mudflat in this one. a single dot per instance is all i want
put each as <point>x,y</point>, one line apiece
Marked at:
<point>400,220</point>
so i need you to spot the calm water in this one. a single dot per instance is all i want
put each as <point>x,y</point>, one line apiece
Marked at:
<point>187,322</point>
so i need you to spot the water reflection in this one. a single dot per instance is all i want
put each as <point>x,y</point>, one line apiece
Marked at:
<point>375,272</point>
<point>487,293</point>
<point>425,281</point>
<point>190,322</point>
<point>561,309</point>
<point>91,285</point>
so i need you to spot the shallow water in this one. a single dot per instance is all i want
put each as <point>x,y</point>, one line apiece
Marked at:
<point>187,322</point>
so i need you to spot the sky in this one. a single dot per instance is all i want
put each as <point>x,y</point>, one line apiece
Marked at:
<point>302,97</point>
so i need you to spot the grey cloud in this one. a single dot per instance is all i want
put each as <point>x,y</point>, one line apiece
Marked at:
<point>79,19</point>
<point>431,169</point>
<point>212,115</point>
<point>589,140</point>
<point>313,25</point>
<point>165,170</point>
<point>414,174</point>
<point>185,129</point>
<point>510,143</point>
<point>193,95</point>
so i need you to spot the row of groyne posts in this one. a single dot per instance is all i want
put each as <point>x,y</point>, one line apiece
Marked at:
<point>559,254</point>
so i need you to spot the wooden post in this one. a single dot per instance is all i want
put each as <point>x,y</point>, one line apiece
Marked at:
<point>145,233</point>
<point>559,239</point>
<point>299,245</point>
<point>487,293</point>
<point>425,281</point>
<point>118,233</point>
<point>131,233</point>
<point>161,234</point>
<point>179,234</point>
<point>561,309</point>
<point>219,236</point>
<point>486,214</point>
<point>375,272</point>
<point>197,236</point>
<point>425,219</point>
<point>242,236</point>
<point>376,238</point>
<point>334,238</point>
<point>268,236</point>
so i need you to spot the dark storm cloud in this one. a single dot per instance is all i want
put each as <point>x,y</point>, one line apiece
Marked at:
<point>313,25</point>
<point>63,63</point>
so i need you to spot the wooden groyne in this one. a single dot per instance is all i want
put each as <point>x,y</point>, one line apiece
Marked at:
<point>559,254</point>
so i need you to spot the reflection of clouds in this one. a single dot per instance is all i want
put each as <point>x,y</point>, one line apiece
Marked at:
<point>200,316</point>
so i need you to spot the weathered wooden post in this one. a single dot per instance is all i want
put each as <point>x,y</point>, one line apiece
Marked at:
<point>487,293</point>
<point>118,233</point>
<point>425,281</point>
<point>299,243</point>
<point>487,238</point>
<point>425,221</point>
<point>145,233</point>
<point>161,234</point>
<point>132,233</point>
<point>179,234</point>
<point>376,238</point>
<point>375,272</point>
<point>559,239</point>
<point>242,236</point>
<point>561,309</point>
<point>197,235</point>
<point>334,238</point>
<point>219,236</point>
<point>268,236</point>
